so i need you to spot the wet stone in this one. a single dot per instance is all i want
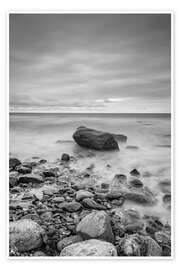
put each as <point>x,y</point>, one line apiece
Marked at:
<point>135,172</point>
<point>136,183</point>
<point>65,157</point>
<point>90,203</point>
<point>49,173</point>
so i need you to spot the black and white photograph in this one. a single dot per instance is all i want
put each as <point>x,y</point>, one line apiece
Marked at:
<point>90,164</point>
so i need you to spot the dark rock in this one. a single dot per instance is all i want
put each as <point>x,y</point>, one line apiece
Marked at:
<point>23,169</point>
<point>42,161</point>
<point>167,198</point>
<point>95,139</point>
<point>68,241</point>
<point>132,147</point>
<point>120,137</point>
<point>136,183</point>
<point>91,204</point>
<point>16,190</point>
<point>105,185</point>
<point>13,162</point>
<point>49,173</point>
<point>96,225</point>
<point>135,172</point>
<point>65,157</point>
<point>153,224</point>
<point>141,195</point>
<point>30,178</point>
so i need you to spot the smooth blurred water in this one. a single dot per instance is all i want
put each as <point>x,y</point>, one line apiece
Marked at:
<point>37,135</point>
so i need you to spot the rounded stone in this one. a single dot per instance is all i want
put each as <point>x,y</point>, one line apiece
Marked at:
<point>25,235</point>
<point>83,194</point>
<point>91,247</point>
<point>96,225</point>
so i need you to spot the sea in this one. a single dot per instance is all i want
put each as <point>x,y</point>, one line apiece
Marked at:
<point>148,147</point>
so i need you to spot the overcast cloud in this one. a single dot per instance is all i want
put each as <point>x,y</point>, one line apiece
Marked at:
<point>90,62</point>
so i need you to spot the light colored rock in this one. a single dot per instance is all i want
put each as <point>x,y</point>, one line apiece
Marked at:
<point>96,225</point>
<point>91,247</point>
<point>25,235</point>
<point>58,199</point>
<point>163,238</point>
<point>70,206</point>
<point>83,194</point>
<point>129,246</point>
<point>152,247</point>
<point>39,254</point>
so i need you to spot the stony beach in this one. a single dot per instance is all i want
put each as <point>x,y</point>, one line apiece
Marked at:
<point>57,210</point>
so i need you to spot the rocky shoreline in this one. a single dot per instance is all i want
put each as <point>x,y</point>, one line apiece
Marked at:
<point>55,210</point>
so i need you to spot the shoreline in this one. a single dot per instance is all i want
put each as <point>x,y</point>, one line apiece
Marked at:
<point>59,185</point>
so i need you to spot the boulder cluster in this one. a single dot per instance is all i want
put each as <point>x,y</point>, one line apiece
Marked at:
<point>54,213</point>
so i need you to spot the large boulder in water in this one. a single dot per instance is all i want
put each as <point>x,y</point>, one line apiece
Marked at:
<point>91,247</point>
<point>96,225</point>
<point>94,139</point>
<point>25,235</point>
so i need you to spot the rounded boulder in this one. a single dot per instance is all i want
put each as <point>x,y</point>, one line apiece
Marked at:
<point>25,235</point>
<point>96,225</point>
<point>91,247</point>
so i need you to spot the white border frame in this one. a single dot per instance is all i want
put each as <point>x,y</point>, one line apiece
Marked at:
<point>85,11</point>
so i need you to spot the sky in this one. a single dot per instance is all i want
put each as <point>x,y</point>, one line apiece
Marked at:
<point>111,63</point>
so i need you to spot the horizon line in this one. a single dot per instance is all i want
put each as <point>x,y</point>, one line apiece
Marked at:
<point>54,112</point>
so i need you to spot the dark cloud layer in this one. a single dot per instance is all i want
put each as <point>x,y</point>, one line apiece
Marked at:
<point>90,62</point>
